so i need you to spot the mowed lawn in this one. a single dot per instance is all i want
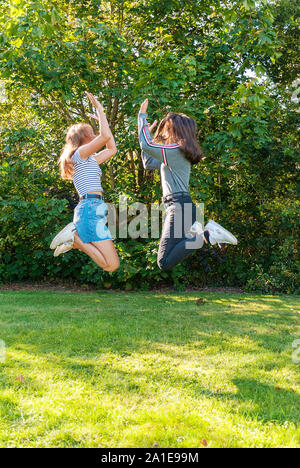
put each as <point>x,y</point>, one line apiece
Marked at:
<point>148,369</point>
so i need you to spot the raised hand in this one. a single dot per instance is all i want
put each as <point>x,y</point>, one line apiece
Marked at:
<point>152,127</point>
<point>93,116</point>
<point>105,134</point>
<point>144,107</point>
<point>94,101</point>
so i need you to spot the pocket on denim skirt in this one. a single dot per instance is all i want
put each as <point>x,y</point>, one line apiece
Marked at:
<point>78,213</point>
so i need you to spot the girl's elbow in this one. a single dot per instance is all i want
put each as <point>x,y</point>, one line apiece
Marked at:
<point>105,135</point>
<point>111,154</point>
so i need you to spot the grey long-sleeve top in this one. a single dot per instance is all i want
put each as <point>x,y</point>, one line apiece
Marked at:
<point>175,169</point>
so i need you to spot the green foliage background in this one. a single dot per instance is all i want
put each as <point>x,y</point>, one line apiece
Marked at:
<point>230,65</point>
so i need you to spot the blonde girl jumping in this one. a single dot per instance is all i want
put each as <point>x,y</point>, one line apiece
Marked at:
<point>80,162</point>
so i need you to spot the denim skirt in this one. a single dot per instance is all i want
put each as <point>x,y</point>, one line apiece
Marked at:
<point>90,220</point>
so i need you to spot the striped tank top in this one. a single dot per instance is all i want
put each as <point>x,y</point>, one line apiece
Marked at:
<point>87,174</point>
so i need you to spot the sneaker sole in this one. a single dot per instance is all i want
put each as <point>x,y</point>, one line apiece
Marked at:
<point>57,239</point>
<point>56,254</point>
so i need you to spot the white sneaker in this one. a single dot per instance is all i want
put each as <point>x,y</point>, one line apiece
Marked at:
<point>63,248</point>
<point>65,235</point>
<point>196,229</point>
<point>219,235</point>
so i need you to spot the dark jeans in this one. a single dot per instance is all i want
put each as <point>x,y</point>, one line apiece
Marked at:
<point>174,246</point>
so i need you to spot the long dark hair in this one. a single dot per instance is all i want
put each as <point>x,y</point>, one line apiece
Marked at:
<point>180,129</point>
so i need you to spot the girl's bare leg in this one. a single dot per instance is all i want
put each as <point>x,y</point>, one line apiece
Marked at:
<point>91,251</point>
<point>103,253</point>
<point>108,250</point>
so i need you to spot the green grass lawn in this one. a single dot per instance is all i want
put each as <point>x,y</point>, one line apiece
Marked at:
<point>148,369</point>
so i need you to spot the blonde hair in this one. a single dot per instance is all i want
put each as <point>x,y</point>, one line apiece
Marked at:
<point>74,139</point>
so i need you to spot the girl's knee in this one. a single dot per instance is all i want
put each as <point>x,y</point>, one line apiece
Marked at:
<point>162,264</point>
<point>113,266</point>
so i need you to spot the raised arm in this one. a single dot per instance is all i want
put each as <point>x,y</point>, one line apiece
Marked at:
<point>111,148</point>
<point>104,131</point>
<point>107,153</point>
<point>149,163</point>
<point>155,150</point>
<point>145,138</point>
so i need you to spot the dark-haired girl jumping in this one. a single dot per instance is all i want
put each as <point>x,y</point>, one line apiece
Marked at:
<point>173,150</point>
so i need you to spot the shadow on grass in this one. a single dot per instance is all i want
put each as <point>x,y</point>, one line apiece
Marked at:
<point>9,411</point>
<point>122,328</point>
<point>90,328</point>
<point>271,402</point>
<point>253,399</point>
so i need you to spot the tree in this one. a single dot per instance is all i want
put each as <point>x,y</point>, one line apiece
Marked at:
<point>222,63</point>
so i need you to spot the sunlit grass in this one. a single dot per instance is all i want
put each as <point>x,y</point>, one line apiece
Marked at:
<point>132,370</point>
